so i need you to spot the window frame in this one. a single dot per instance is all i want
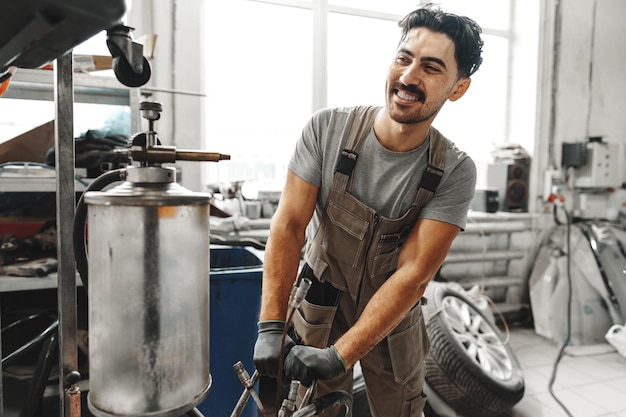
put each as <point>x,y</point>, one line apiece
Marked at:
<point>321,10</point>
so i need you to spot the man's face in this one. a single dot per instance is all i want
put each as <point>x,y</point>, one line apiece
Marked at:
<point>423,75</point>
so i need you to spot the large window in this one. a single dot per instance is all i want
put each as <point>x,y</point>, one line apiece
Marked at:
<point>259,85</point>
<point>360,50</point>
<point>271,63</point>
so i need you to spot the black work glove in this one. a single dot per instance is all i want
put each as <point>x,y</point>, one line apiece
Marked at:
<point>306,363</point>
<point>267,347</point>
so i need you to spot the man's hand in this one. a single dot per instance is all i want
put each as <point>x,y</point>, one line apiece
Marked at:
<point>306,363</point>
<point>267,347</point>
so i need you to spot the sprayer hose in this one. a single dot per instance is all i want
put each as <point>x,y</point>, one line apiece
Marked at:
<point>80,222</point>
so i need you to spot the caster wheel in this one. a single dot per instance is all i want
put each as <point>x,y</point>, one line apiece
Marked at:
<point>126,75</point>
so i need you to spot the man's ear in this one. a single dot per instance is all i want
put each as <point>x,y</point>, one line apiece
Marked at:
<point>460,88</point>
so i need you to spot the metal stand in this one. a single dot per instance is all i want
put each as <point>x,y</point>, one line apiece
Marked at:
<point>65,207</point>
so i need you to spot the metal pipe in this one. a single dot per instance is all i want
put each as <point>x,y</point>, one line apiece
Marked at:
<point>289,404</point>
<point>194,412</point>
<point>189,155</point>
<point>248,383</point>
<point>487,228</point>
<point>165,154</point>
<point>500,255</point>
<point>65,202</point>
<point>309,393</point>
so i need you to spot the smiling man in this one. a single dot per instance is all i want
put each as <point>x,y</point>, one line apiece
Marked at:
<point>378,195</point>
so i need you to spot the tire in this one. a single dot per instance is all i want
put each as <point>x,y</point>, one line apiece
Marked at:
<point>360,406</point>
<point>468,365</point>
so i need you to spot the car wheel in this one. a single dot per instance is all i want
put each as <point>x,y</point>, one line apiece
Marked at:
<point>468,366</point>
<point>360,406</point>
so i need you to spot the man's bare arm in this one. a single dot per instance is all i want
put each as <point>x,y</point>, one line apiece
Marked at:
<point>284,245</point>
<point>420,258</point>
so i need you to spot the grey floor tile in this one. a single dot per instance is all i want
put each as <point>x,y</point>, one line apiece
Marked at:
<point>547,404</point>
<point>598,368</point>
<point>531,406</point>
<point>535,382</point>
<point>602,393</point>
<point>620,385</point>
<point>590,380</point>
<point>535,355</point>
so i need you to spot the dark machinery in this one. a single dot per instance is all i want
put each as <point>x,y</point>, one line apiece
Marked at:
<point>35,32</point>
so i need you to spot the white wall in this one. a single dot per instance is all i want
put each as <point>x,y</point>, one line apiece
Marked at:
<point>608,84</point>
<point>177,75</point>
<point>587,93</point>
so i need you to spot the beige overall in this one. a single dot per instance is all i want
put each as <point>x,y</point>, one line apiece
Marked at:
<point>352,254</point>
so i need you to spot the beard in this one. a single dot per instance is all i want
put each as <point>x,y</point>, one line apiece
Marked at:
<point>418,112</point>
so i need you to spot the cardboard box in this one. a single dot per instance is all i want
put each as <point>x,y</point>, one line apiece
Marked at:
<point>30,146</point>
<point>88,63</point>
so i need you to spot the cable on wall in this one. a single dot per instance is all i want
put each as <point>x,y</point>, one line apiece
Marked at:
<point>591,54</point>
<point>556,46</point>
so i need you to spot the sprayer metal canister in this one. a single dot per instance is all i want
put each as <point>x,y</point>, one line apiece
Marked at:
<point>148,246</point>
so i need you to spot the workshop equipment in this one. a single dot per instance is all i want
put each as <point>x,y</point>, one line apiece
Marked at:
<point>148,246</point>
<point>591,179</point>
<point>36,32</point>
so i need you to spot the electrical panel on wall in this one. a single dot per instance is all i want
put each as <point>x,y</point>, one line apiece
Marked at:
<point>602,167</point>
<point>595,177</point>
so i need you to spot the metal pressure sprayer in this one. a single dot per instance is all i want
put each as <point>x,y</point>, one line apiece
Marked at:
<point>148,246</point>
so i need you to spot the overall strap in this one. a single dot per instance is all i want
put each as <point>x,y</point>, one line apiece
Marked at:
<point>434,171</point>
<point>359,123</point>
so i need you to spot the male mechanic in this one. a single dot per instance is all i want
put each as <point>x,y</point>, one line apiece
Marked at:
<point>380,195</point>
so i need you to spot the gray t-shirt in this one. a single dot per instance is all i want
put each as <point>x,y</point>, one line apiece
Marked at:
<point>384,180</point>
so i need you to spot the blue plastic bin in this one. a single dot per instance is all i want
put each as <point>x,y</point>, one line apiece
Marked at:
<point>235,286</point>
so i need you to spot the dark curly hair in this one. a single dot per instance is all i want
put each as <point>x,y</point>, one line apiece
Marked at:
<point>463,31</point>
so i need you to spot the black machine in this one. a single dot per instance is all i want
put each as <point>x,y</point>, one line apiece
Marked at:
<point>35,32</point>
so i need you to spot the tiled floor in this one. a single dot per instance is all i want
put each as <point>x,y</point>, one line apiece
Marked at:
<point>590,380</point>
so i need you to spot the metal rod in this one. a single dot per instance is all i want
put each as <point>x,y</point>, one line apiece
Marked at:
<point>65,207</point>
<point>187,155</point>
<point>486,228</point>
<point>248,390</point>
<point>308,394</point>
<point>194,412</point>
<point>163,154</point>
<point>491,256</point>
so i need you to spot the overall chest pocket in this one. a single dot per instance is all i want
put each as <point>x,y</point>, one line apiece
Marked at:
<point>389,242</point>
<point>345,234</point>
<point>385,259</point>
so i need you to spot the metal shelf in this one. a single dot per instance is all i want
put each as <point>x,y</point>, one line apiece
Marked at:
<point>38,84</point>
<point>33,184</point>
<point>10,283</point>
<point>493,253</point>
